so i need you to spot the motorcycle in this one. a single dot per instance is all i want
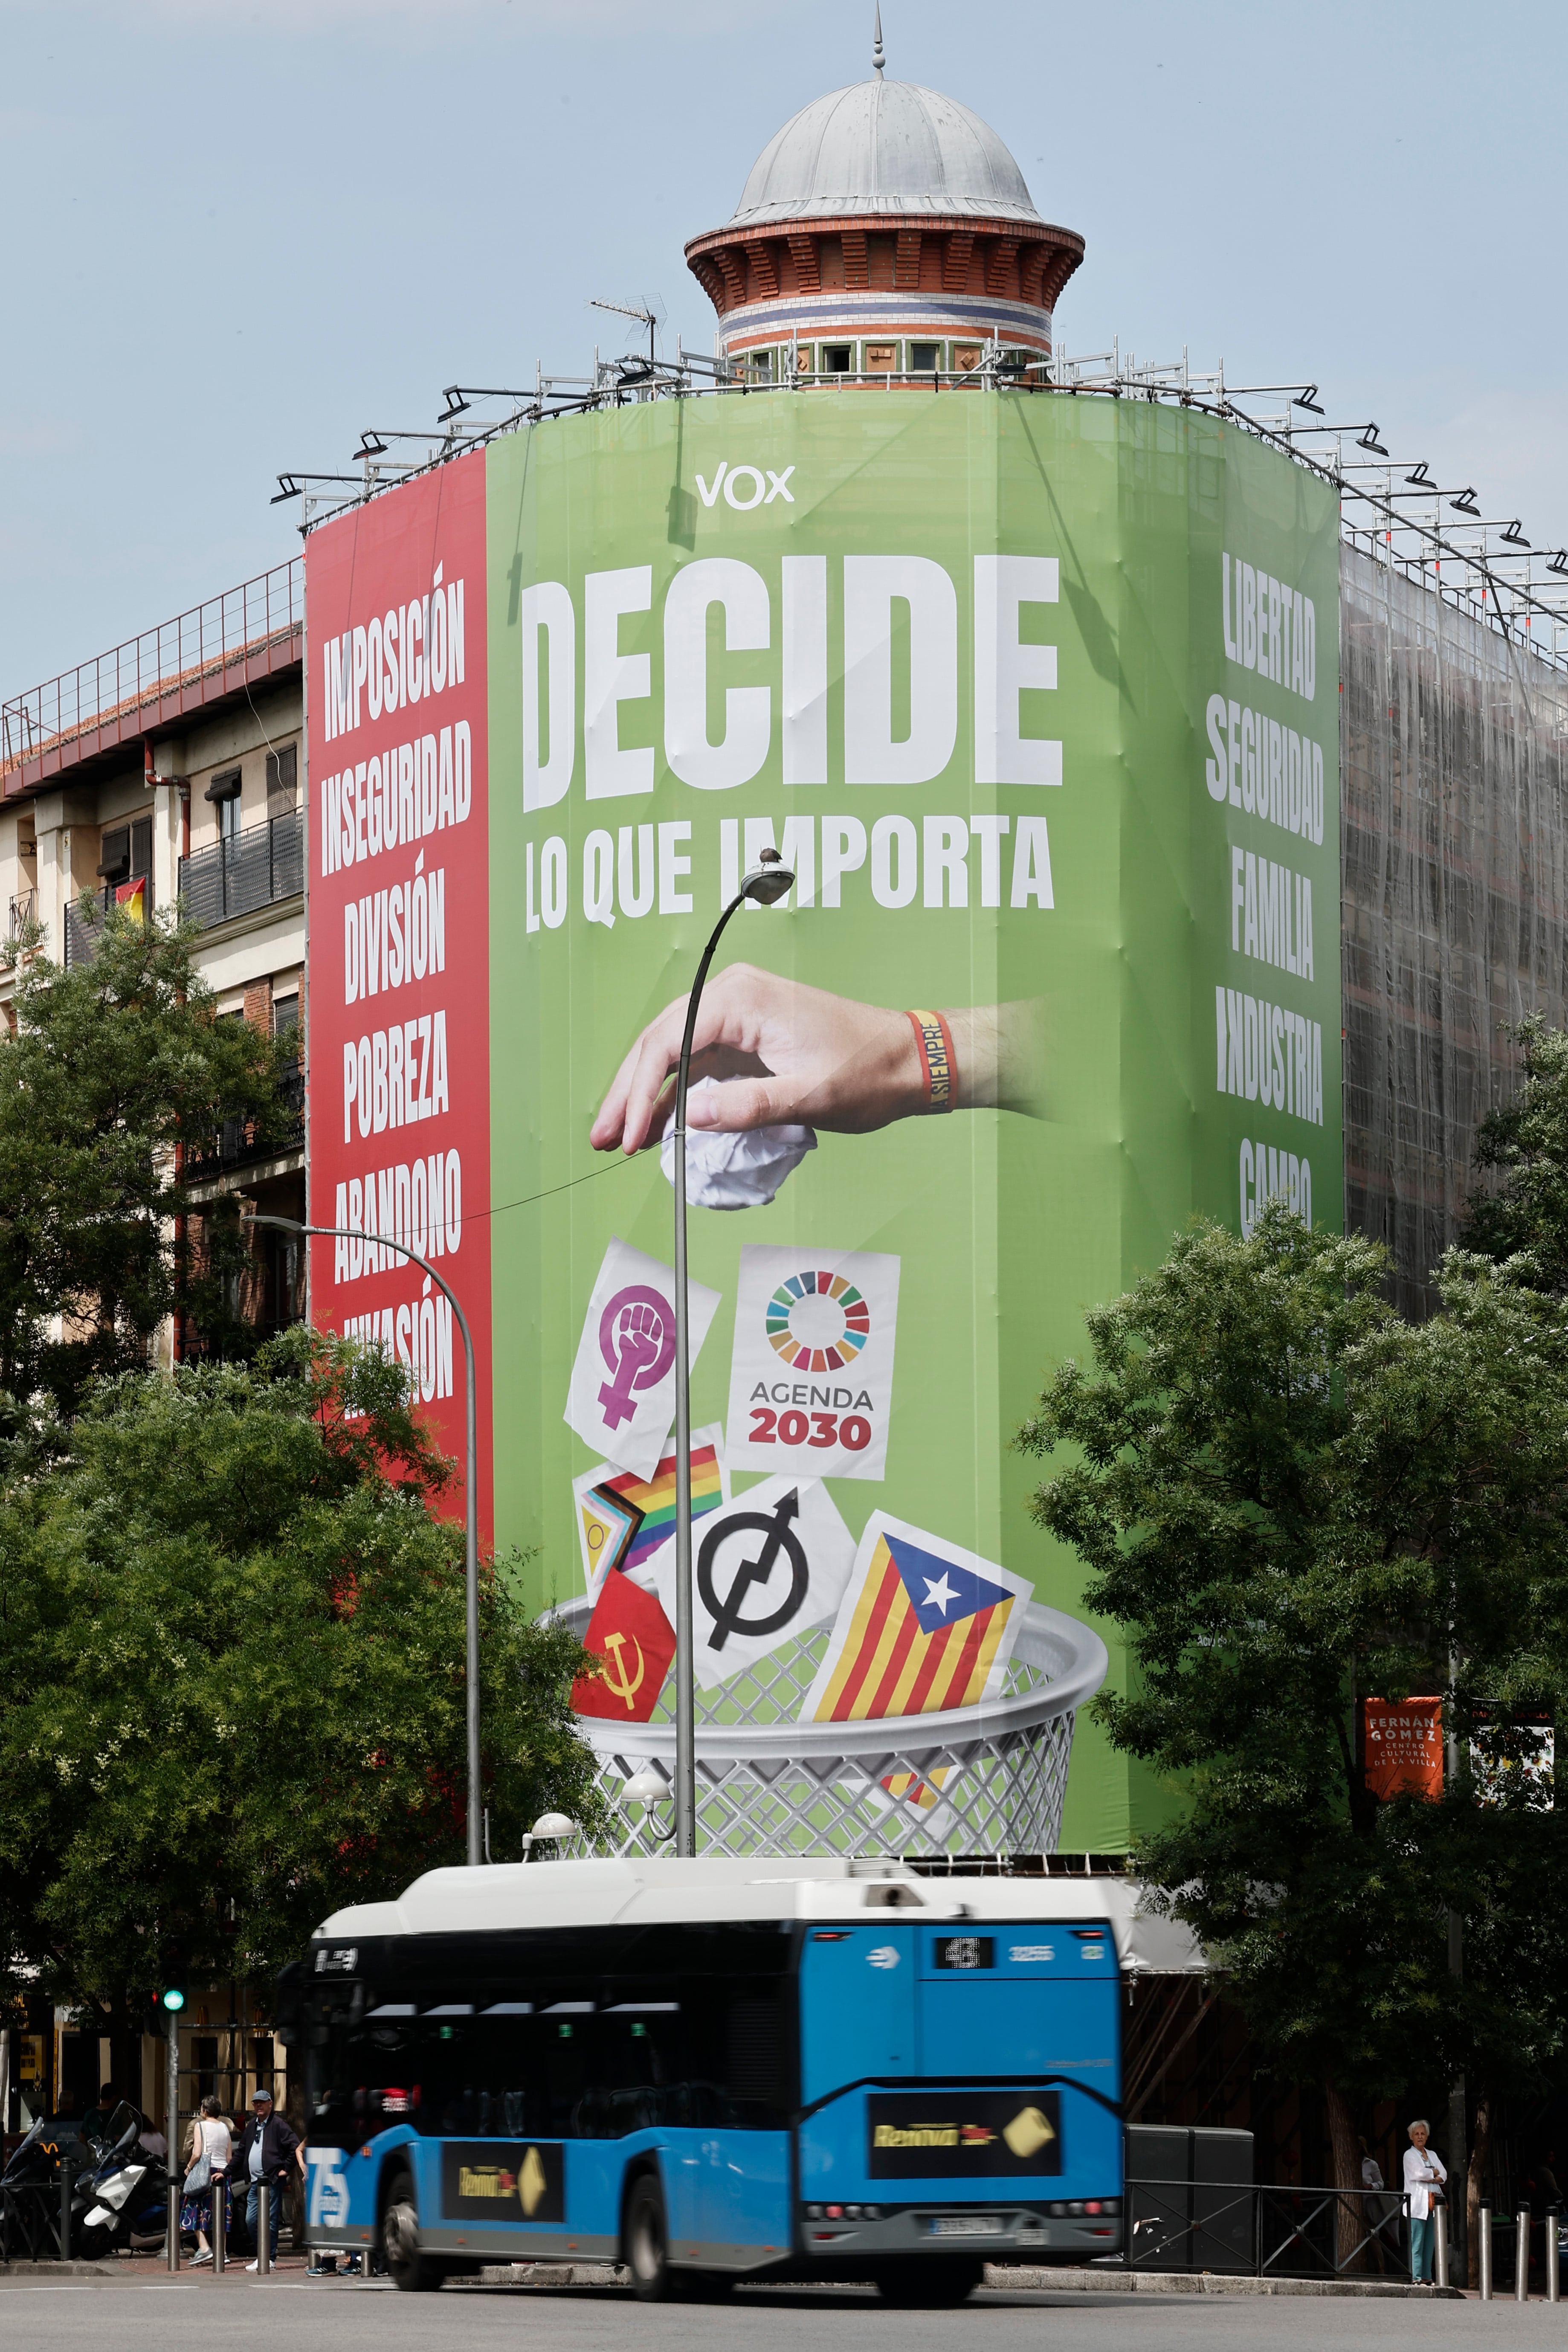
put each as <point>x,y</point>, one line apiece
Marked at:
<point>119,2203</point>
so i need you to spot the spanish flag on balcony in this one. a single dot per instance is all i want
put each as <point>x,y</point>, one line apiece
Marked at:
<point>924,1626</point>
<point>130,898</point>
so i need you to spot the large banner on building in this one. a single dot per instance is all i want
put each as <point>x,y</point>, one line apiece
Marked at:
<point>399,980</point>
<point>1037,698</point>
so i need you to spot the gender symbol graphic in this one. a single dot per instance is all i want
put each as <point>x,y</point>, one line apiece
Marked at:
<point>779,1536</point>
<point>636,1339</point>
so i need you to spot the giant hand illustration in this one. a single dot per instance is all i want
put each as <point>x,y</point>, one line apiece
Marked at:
<point>793,1054</point>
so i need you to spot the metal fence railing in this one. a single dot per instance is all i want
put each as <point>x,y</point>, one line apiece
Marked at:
<point>247,871</point>
<point>1262,2229</point>
<point>194,647</point>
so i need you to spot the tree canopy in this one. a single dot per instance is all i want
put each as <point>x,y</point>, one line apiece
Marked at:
<point>1524,1143</point>
<point>113,1064</point>
<point>1292,1500</point>
<point>232,1643</point>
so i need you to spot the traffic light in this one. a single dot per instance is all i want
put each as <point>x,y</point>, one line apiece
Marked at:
<point>174,1975</point>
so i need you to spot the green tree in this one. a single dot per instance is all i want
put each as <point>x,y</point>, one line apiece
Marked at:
<point>113,1064</point>
<point>1525,1143</point>
<point>1292,1500</point>
<point>232,1643</point>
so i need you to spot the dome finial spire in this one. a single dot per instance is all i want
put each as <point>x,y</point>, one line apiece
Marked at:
<point>877,60</point>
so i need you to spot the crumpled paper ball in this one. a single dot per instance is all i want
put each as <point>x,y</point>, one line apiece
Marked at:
<point>735,1171</point>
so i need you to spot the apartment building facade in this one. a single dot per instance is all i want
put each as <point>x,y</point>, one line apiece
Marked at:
<point>173,768</point>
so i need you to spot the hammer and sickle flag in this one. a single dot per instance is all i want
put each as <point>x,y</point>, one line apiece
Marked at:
<point>630,1633</point>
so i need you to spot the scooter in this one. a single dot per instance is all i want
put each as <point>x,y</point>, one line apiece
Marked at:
<point>120,2204</point>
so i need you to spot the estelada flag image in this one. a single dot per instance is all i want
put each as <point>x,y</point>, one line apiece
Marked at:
<point>923,1626</point>
<point>631,1633</point>
<point>622,1519</point>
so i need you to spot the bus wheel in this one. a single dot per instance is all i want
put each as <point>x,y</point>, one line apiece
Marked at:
<point>408,2267</point>
<point>648,2240</point>
<point>934,2284</point>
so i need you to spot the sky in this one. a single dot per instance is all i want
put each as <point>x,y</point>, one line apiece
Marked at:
<point>237,234</point>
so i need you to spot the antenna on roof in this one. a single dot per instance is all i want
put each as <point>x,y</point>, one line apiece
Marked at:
<point>878,58</point>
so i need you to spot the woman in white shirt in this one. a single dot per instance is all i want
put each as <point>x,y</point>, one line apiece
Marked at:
<point>1424,2174</point>
<point>211,2138</point>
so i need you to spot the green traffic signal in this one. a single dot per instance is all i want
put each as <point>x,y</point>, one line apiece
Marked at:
<point>174,1997</point>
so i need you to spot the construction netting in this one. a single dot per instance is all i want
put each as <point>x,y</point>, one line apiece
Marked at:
<point>1454,852</point>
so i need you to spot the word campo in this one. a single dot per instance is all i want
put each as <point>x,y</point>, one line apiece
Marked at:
<point>413,651</point>
<point>1270,1175</point>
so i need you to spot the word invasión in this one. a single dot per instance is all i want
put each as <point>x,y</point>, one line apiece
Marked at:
<point>418,1335</point>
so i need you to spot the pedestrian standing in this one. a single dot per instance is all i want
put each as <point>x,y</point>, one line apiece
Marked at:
<point>268,2146</point>
<point>1374,2207</point>
<point>207,2156</point>
<point>1425,2173</point>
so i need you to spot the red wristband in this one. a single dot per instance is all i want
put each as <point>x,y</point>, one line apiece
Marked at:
<point>936,1059</point>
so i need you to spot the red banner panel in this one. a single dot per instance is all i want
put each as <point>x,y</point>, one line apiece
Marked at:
<point>1401,1743</point>
<point>399,928</point>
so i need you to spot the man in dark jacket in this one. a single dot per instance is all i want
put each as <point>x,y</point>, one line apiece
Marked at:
<point>267,2147</point>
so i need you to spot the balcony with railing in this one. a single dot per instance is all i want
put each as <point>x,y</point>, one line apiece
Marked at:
<point>239,1144</point>
<point>245,872</point>
<point>23,914</point>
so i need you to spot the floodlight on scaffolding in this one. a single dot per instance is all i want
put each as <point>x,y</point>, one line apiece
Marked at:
<point>371,445</point>
<point>1465,502</point>
<point>1369,440</point>
<point>1421,479</point>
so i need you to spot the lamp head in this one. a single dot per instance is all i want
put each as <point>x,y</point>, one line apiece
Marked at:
<point>768,880</point>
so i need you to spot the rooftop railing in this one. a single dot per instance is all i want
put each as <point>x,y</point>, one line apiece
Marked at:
<point>193,650</point>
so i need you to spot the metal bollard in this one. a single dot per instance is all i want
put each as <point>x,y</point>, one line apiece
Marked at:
<point>1553,2287</point>
<point>219,2222</point>
<point>1441,2249</point>
<point>1521,2255</point>
<point>263,2228</point>
<point>1486,2250</point>
<point>68,2182</point>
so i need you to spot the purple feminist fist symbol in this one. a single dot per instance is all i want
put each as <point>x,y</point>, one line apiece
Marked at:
<point>636,1339</point>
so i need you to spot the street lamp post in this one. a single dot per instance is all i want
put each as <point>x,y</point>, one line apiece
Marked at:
<point>766,883</point>
<point>472,1438</point>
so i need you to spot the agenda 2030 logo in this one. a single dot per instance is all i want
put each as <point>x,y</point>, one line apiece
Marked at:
<point>813,1362</point>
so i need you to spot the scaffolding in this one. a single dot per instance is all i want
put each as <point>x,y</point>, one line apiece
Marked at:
<point>1453,866</point>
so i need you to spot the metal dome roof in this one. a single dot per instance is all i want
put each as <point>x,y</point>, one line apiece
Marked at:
<point>883,146</point>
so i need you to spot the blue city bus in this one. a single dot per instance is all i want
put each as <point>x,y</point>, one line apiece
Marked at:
<point>713,2071</point>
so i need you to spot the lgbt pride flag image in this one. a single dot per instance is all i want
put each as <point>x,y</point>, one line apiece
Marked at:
<point>924,1627</point>
<point>622,1519</point>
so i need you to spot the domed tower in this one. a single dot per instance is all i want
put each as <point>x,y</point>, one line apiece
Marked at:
<point>885,230</point>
